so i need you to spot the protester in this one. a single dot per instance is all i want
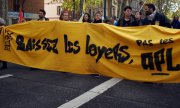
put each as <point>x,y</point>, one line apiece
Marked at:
<point>98,17</point>
<point>155,18</point>
<point>112,20</point>
<point>86,18</point>
<point>138,19</point>
<point>4,63</point>
<point>42,14</point>
<point>107,21</point>
<point>175,23</point>
<point>128,19</point>
<point>64,16</point>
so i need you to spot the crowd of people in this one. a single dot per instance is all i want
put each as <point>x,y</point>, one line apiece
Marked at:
<point>150,17</point>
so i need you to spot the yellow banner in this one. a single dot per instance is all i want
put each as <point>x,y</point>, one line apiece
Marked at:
<point>148,53</point>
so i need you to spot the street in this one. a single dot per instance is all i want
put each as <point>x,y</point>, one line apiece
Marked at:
<point>21,87</point>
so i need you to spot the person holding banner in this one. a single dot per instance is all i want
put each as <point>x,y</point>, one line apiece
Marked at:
<point>98,17</point>
<point>128,19</point>
<point>64,16</point>
<point>175,23</point>
<point>86,18</point>
<point>107,21</point>
<point>42,14</point>
<point>139,20</point>
<point>155,18</point>
<point>4,63</point>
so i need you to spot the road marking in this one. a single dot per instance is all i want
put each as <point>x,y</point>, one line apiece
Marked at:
<point>84,98</point>
<point>5,76</point>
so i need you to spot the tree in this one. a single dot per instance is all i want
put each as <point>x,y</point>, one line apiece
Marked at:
<point>93,3</point>
<point>4,10</point>
<point>69,4</point>
<point>167,7</point>
<point>122,4</point>
<point>92,6</point>
<point>80,5</point>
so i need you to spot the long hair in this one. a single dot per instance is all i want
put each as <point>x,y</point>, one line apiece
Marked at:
<point>89,18</point>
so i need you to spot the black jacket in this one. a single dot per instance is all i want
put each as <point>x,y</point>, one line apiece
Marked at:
<point>46,19</point>
<point>121,22</point>
<point>175,24</point>
<point>163,20</point>
<point>97,21</point>
<point>139,22</point>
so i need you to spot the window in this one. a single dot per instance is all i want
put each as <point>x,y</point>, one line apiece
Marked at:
<point>58,10</point>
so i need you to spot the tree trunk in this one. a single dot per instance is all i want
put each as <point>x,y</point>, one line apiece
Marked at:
<point>4,10</point>
<point>121,11</point>
<point>74,7</point>
<point>81,6</point>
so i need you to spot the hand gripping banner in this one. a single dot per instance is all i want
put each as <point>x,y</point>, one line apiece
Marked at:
<point>146,53</point>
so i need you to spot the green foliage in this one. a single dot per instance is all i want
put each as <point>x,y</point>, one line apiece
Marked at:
<point>167,6</point>
<point>164,6</point>
<point>69,4</point>
<point>93,3</point>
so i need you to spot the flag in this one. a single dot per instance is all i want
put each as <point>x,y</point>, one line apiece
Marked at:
<point>20,16</point>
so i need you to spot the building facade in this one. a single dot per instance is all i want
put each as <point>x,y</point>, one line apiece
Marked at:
<point>53,9</point>
<point>29,7</point>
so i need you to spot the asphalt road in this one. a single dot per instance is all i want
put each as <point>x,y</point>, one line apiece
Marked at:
<point>28,88</point>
